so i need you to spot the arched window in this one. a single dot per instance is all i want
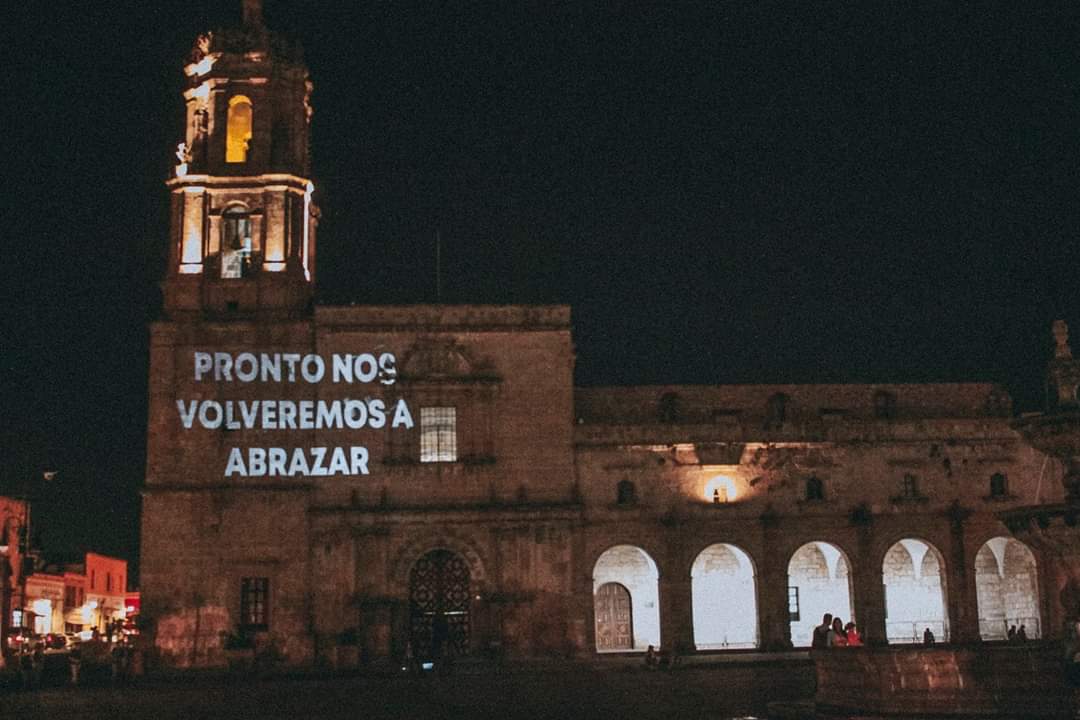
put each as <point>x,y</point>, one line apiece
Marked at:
<point>815,489</point>
<point>236,243</point>
<point>626,494</point>
<point>239,129</point>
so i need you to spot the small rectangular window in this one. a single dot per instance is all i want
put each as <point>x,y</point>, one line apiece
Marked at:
<point>998,486</point>
<point>93,576</point>
<point>438,434</point>
<point>108,582</point>
<point>911,486</point>
<point>793,603</point>
<point>255,603</point>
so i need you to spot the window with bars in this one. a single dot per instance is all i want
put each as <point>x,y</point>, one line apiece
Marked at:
<point>255,603</point>
<point>793,603</point>
<point>438,434</point>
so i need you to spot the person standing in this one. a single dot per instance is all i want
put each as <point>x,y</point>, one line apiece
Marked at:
<point>836,636</point>
<point>928,637</point>
<point>38,663</point>
<point>75,662</point>
<point>26,665</point>
<point>852,633</point>
<point>821,632</point>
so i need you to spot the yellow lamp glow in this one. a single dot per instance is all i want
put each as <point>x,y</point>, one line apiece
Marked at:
<point>720,489</point>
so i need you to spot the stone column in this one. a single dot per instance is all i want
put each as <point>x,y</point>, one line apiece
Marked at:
<point>582,623</point>
<point>773,613</point>
<point>676,626</point>
<point>962,598</point>
<point>867,585</point>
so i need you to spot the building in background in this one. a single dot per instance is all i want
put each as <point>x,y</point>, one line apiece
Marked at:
<point>75,597</point>
<point>12,554</point>
<point>428,477</point>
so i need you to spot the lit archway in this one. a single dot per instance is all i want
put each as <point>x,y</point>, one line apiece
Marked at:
<point>238,129</point>
<point>913,572</point>
<point>621,571</point>
<point>819,582</point>
<point>724,599</point>
<point>1007,587</point>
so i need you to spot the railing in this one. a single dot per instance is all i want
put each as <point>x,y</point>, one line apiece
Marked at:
<point>913,631</point>
<point>999,629</point>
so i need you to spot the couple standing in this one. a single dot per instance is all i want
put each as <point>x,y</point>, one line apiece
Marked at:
<point>833,633</point>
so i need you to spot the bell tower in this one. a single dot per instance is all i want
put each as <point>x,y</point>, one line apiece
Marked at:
<point>243,222</point>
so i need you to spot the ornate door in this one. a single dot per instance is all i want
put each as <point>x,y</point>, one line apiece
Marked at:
<point>614,620</point>
<point>439,605</point>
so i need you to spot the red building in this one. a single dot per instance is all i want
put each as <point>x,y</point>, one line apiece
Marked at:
<point>12,520</point>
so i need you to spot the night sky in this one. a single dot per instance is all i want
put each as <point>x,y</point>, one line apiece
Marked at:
<point>724,192</point>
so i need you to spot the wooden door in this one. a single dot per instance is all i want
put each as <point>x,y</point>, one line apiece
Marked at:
<point>614,618</point>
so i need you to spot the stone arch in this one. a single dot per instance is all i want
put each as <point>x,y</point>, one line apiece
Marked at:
<point>819,581</point>
<point>634,569</point>
<point>913,573</point>
<point>723,590</point>
<point>1007,588</point>
<point>409,553</point>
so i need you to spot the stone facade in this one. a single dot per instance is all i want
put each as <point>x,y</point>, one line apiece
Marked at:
<point>498,543</point>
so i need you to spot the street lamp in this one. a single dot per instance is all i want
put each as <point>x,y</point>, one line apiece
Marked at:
<point>25,548</point>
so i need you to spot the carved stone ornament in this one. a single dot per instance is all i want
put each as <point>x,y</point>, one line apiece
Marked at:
<point>183,155</point>
<point>202,47</point>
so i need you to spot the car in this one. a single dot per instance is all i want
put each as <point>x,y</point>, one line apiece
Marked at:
<point>55,643</point>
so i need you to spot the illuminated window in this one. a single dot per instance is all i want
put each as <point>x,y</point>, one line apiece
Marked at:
<point>720,490</point>
<point>438,434</point>
<point>793,604</point>
<point>235,243</point>
<point>239,130</point>
<point>255,603</point>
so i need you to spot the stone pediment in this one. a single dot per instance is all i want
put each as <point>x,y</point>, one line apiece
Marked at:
<point>442,359</point>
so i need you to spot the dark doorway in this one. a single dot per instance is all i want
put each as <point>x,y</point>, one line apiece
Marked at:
<point>614,621</point>
<point>439,605</point>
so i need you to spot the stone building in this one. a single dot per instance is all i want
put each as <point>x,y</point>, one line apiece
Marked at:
<point>387,476</point>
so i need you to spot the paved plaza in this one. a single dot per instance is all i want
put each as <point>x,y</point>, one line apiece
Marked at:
<point>720,691</point>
